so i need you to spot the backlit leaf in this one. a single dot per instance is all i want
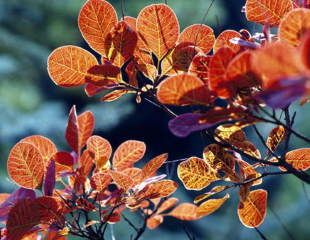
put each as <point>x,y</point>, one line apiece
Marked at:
<point>101,148</point>
<point>267,12</point>
<point>200,67</point>
<point>206,195</point>
<point>239,73</point>
<point>252,212</point>
<point>223,40</point>
<point>127,154</point>
<point>150,168</point>
<point>294,25</point>
<point>87,161</point>
<point>305,50</point>
<point>234,135</point>
<point>184,89</point>
<point>275,137</point>
<point>299,158</point>
<point>22,217</point>
<point>45,146</point>
<point>268,62</point>
<point>105,75</point>
<point>25,165</point>
<point>122,180</point>
<point>68,65</point>
<point>248,173</point>
<point>217,72</point>
<point>185,212</point>
<point>159,28</point>
<point>167,204</point>
<point>154,221</point>
<point>100,181</point>
<point>114,95</point>
<point>210,206</point>
<point>96,19</point>
<point>124,39</point>
<point>160,189</point>
<point>86,124</point>
<point>199,35</point>
<point>196,174</point>
<point>63,158</point>
<point>220,160</point>
<point>27,213</point>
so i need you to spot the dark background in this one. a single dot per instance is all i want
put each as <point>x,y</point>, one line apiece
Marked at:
<point>31,104</point>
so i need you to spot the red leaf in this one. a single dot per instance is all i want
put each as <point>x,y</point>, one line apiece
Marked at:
<point>72,130</point>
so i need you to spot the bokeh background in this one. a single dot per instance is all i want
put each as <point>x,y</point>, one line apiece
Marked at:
<point>31,104</point>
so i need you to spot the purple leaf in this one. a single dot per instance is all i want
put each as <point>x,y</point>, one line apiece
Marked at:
<point>284,92</point>
<point>185,124</point>
<point>17,195</point>
<point>49,180</point>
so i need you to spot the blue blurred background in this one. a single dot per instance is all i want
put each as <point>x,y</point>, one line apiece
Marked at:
<point>31,104</point>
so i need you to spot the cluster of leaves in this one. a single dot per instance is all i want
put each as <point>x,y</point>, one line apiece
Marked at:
<point>72,185</point>
<point>230,89</point>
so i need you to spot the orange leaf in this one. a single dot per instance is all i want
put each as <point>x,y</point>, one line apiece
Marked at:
<point>299,158</point>
<point>199,35</point>
<point>248,172</point>
<point>239,72</point>
<point>100,181</point>
<point>114,95</point>
<point>275,137</point>
<point>185,212</point>
<point>159,28</point>
<point>268,62</point>
<point>86,124</point>
<point>160,189</point>
<point>267,12</point>
<point>127,154</point>
<point>223,40</point>
<point>153,165</point>
<point>154,221</point>
<point>87,162</point>
<point>294,25</point>
<point>305,50</point>
<point>206,195</point>
<point>135,174</point>
<point>252,212</point>
<point>167,204</point>
<point>217,72</point>
<point>105,75</point>
<point>45,146</point>
<point>96,19</point>
<point>68,65</point>
<point>196,174</point>
<point>200,67</point>
<point>102,150</point>
<point>131,22</point>
<point>183,89</point>
<point>180,59</point>
<point>72,130</point>
<point>124,181</point>
<point>210,206</point>
<point>25,165</point>
<point>220,160</point>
